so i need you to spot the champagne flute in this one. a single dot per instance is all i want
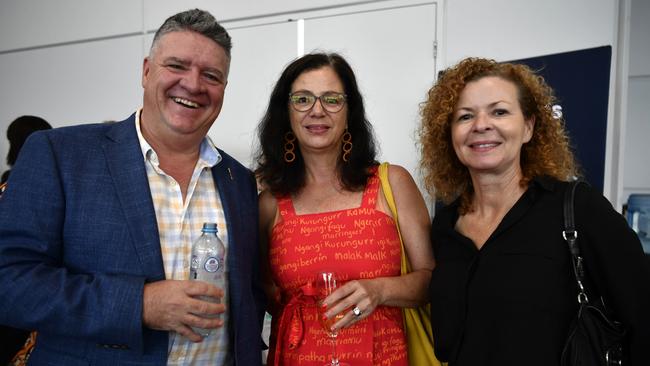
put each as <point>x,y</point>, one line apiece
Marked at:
<point>326,283</point>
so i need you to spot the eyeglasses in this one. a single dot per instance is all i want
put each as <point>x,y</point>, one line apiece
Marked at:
<point>304,101</point>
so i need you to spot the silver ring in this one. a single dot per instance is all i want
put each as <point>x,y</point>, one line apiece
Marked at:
<point>357,312</point>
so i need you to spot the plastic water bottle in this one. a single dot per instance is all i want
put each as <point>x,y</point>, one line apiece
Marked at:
<point>208,264</point>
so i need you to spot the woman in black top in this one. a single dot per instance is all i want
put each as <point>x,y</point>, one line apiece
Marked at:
<point>17,134</point>
<point>503,292</point>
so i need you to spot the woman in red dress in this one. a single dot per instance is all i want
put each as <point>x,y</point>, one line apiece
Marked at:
<point>323,210</point>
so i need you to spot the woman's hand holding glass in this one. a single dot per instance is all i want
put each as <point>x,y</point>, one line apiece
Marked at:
<point>351,302</point>
<point>326,283</point>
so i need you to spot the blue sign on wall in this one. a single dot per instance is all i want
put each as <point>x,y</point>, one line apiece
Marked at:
<point>581,83</point>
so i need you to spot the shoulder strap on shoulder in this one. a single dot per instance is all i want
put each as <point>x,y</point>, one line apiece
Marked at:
<point>285,206</point>
<point>570,235</point>
<point>369,199</point>
<point>388,193</point>
<point>385,186</point>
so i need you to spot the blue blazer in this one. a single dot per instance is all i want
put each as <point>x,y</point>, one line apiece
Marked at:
<point>79,239</point>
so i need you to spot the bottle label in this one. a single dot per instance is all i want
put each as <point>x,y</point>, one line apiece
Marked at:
<point>212,264</point>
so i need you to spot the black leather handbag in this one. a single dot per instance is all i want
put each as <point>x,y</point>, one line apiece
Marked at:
<point>594,339</point>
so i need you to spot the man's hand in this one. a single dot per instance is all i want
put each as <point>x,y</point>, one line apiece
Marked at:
<point>171,305</point>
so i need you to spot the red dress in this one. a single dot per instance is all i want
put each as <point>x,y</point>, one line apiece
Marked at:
<point>356,244</point>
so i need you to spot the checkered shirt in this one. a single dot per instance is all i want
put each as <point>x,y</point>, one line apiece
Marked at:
<point>179,225</point>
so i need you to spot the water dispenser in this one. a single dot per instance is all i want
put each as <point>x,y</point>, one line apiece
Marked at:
<point>638,217</point>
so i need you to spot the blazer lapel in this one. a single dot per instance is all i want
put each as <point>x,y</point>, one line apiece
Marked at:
<point>126,166</point>
<point>228,193</point>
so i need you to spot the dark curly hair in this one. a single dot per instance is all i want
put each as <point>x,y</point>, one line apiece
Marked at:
<point>547,153</point>
<point>283,178</point>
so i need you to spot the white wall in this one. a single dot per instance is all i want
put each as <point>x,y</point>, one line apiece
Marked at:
<point>514,29</point>
<point>30,23</point>
<point>500,29</point>
<point>637,136</point>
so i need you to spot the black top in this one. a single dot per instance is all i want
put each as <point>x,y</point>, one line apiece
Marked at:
<point>512,301</point>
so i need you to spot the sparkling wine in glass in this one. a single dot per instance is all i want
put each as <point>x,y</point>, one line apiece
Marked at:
<point>326,283</point>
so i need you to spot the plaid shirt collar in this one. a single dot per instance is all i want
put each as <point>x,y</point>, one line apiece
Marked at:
<point>208,154</point>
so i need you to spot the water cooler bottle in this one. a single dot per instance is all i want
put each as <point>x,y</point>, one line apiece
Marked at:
<point>638,216</point>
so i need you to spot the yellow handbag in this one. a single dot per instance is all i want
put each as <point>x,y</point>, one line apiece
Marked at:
<point>416,320</point>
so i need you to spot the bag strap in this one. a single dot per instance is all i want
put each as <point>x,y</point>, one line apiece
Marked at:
<point>570,235</point>
<point>388,193</point>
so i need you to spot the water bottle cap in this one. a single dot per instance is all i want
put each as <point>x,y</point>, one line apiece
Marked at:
<point>209,227</point>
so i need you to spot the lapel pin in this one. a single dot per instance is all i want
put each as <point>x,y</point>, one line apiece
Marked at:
<point>230,174</point>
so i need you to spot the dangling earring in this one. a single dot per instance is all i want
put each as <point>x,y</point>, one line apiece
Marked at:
<point>347,145</point>
<point>289,139</point>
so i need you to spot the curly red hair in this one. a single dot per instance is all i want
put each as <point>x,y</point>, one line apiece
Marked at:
<point>547,153</point>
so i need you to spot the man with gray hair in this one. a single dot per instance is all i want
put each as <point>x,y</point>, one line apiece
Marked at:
<point>97,223</point>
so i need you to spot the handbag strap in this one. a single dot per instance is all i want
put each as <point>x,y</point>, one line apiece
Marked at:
<point>388,193</point>
<point>570,235</point>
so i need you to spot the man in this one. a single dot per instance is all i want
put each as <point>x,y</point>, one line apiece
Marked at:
<point>97,223</point>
